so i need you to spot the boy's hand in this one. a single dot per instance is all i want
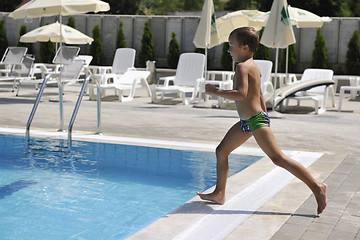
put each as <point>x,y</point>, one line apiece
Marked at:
<point>210,89</point>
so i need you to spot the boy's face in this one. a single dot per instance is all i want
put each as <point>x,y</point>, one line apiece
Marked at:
<point>238,53</point>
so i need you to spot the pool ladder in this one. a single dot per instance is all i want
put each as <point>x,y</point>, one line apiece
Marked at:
<point>96,78</point>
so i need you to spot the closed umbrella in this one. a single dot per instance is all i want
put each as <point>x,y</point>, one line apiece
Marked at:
<point>278,32</point>
<point>51,33</point>
<point>206,35</point>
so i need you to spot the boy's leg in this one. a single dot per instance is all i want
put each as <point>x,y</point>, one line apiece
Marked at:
<point>233,139</point>
<point>266,140</point>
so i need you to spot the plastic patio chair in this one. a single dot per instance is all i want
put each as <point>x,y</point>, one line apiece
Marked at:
<point>124,61</point>
<point>353,88</point>
<point>316,94</point>
<point>12,57</point>
<point>189,74</point>
<point>68,73</point>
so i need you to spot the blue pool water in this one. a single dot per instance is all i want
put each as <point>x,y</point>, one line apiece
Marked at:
<point>97,190</point>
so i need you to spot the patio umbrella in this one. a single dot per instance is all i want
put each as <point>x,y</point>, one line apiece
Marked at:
<point>46,8</point>
<point>242,18</point>
<point>206,35</point>
<point>51,33</point>
<point>278,32</point>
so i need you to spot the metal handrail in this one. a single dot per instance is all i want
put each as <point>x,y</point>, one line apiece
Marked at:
<point>98,99</point>
<point>36,105</point>
<point>76,109</point>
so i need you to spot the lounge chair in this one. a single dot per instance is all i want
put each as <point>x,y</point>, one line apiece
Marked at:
<point>353,88</point>
<point>317,94</point>
<point>129,81</point>
<point>189,74</point>
<point>68,73</point>
<point>64,55</point>
<point>124,60</point>
<point>12,57</point>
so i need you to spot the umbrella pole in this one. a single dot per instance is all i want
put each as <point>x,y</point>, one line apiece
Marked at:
<point>61,85</point>
<point>275,79</point>
<point>287,63</point>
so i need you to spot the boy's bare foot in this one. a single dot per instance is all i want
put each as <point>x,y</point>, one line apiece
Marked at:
<point>321,198</point>
<point>216,198</point>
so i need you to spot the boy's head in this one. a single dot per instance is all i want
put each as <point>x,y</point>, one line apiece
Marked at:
<point>243,43</point>
<point>246,36</point>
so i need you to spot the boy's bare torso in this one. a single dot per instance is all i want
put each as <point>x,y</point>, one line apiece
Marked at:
<point>248,77</point>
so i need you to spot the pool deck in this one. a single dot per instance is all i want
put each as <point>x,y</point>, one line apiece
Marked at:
<point>288,214</point>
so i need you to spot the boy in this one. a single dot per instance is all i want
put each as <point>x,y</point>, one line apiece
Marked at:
<point>250,105</point>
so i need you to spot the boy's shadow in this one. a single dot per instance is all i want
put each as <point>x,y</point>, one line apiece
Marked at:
<point>201,207</point>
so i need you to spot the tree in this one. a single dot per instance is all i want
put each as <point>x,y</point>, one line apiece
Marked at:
<point>262,52</point>
<point>174,52</point>
<point>319,54</point>
<point>191,5</point>
<point>147,46</point>
<point>120,38</point>
<point>3,38</point>
<point>71,22</point>
<point>292,58</point>
<point>9,5</point>
<point>226,59</point>
<point>47,52</point>
<point>353,55</point>
<point>23,30</point>
<point>124,6</point>
<point>96,48</point>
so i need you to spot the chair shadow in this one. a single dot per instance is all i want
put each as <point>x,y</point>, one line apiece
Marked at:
<point>201,207</point>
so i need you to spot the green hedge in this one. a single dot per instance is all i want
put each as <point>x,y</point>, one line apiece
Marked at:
<point>353,55</point>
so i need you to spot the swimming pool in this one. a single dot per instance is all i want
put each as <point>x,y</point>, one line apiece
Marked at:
<point>97,190</point>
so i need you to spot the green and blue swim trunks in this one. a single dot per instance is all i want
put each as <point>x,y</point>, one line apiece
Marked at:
<point>258,120</point>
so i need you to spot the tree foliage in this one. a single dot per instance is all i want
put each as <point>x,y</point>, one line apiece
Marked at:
<point>71,22</point>
<point>174,52</point>
<point>120,38</point>
<point>353,55</point>
<point>47,52</point>
<point>226,59</point>
<point>292,58</point>
<point>23,30</point>
<point>9,5</point>
<point>262,52</point>
<point>147,46</point>
<point>96,48</point>
<point>3,38</point>
<point>319,54</point>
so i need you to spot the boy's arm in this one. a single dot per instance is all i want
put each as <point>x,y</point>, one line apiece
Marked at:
<point>239,94</point>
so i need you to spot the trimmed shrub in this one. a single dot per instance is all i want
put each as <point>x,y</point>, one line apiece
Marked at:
<point>47,52</point>
<point>96,48</point>
<point>71,22</point>
<point>23,30</point>
<point>120,38</point>
<point>3,39</point>
<point>147,46</point>
<point>226,59</point>
<point>353,55</point>
<point>262,52</point>
<point>292,59</point>
<point>174,52</point>
<point>319,54</point>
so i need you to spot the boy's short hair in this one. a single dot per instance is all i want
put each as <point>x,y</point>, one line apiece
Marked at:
<point>246,36</point>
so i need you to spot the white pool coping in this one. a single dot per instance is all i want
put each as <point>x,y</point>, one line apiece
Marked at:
<point>220,221</point>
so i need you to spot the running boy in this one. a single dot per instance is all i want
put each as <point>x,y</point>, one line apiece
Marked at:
<point>250,105</point>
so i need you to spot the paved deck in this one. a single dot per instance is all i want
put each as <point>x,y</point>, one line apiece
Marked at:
<point>332,133</point>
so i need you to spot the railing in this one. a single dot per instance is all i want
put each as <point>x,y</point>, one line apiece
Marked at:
<point>36,104</point>
<point>76,109</point>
